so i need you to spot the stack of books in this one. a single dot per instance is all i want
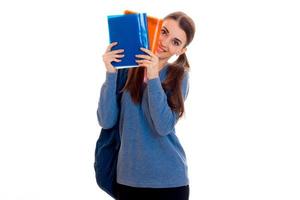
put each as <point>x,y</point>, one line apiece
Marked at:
<point>132,31</point>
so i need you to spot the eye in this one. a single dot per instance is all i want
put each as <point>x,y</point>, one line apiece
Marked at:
<point>163,32</point>
<point>175,43</point>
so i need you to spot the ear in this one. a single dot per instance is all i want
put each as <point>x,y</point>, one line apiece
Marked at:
<point>182,51</point>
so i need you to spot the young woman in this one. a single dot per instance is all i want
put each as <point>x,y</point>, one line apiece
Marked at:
<point>151,162</point>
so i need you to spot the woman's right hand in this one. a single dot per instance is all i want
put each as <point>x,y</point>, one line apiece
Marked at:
<point>110,56</point>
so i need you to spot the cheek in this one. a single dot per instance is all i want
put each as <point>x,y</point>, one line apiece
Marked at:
<point>172,51</point>
<point>164,55</point>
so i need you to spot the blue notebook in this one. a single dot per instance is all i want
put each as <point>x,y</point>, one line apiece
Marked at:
<point>131,33</point>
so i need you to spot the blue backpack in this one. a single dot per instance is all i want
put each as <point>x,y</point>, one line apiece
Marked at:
<point>107,148</point>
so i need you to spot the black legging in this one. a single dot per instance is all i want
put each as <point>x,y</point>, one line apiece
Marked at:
<point>133,193</point>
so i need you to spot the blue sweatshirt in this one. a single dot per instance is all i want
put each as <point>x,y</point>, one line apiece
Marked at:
<point>150,154</point>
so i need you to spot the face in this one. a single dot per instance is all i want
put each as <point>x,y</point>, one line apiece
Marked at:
<point>172,40</point>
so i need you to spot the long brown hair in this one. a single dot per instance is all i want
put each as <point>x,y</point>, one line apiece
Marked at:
<point>175,71</point>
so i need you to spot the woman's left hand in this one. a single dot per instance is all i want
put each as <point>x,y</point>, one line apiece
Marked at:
<point>151,62</point>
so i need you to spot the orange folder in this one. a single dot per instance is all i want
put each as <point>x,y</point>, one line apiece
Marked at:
<point>154,28</point>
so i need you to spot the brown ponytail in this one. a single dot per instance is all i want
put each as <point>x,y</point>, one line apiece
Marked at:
<point>173,83</point>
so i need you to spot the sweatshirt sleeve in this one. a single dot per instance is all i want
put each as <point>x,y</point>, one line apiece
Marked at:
<point>107,112</point>
<point>163,117</point>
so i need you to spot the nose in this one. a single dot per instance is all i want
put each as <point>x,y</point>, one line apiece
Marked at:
<point>163,42</point>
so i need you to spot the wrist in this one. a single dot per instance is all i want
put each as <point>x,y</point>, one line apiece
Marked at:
<point>153,77</point>
<point>111,71</point>
<point>110,68</point>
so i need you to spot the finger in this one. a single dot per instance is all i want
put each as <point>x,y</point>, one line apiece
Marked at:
<point>143,56</point>
<point>117,60</point>
<point>111,58</point>
<point>118,56</point>
<point>110,46</point>
<point>116,51</point>
<point>140,63</point>
<point>147,51</point>
<point>143,65</point>
<point>143,62</point>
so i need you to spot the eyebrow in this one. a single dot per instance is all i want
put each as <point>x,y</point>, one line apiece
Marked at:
<point>178,40</point>
<point>166,29</point>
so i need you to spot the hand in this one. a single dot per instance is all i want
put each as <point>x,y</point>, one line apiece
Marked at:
<point>110,56</point>
<point>151,62</point>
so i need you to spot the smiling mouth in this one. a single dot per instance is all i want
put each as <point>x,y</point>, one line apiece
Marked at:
<point>161,49</point>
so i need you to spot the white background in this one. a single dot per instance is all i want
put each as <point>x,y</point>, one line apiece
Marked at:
<point>241,128</point>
